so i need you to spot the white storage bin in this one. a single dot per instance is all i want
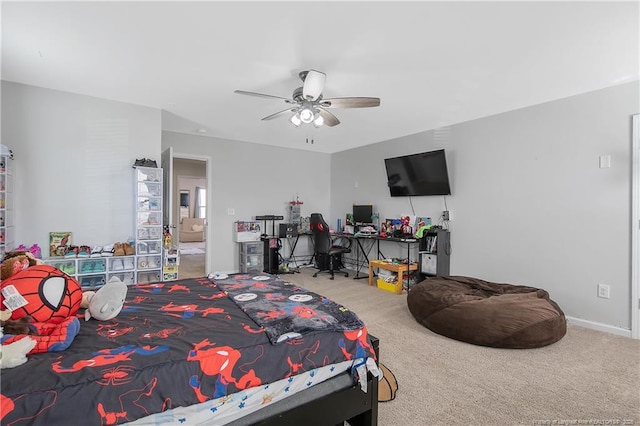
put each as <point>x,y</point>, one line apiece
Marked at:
<point>148,276</point>
<point>92,281</point>
<point>125,277</point>
<point>91,266</point>
<point>428,263</point>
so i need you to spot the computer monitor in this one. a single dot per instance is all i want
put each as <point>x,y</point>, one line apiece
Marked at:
<point>362,213</point>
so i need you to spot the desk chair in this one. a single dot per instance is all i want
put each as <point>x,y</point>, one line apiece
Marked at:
<point>328,251</point>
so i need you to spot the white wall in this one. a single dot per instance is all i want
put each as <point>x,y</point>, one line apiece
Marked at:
<point>529,203</point>
<point>73,158</point>
<point>254,180</point>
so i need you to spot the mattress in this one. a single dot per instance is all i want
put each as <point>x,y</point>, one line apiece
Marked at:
<point>181,343</point>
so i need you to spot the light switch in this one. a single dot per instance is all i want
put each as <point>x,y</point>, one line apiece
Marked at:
<point>605,161</point>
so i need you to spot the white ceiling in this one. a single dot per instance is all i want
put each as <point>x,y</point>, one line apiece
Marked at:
<point>431,63</point>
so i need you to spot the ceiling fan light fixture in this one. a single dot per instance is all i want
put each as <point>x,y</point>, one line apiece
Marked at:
<point>319,121</point>
<point>295,120</point>
<point>306,115</point>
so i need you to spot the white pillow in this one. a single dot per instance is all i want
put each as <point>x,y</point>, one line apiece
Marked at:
<point>197,228</point>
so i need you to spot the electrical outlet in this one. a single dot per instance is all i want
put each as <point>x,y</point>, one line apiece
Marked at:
<point>446,215</point>
<point>604,291</point>
<point>231,212</point>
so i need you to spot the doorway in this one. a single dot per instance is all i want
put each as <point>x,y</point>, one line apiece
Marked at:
<point>187,210</point>
<point>190,210</point>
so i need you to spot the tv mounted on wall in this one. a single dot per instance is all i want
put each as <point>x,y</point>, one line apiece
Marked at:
<point>418,174</point>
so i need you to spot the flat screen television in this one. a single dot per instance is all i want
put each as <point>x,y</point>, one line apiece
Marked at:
<point>184,199</point>
<point>418,174</point>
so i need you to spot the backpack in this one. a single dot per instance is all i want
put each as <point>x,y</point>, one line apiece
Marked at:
<point>387,386</point>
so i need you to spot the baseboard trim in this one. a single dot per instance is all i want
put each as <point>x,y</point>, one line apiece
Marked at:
<point>599,326</point>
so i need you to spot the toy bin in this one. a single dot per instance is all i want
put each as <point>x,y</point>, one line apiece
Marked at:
<point>393,287</point>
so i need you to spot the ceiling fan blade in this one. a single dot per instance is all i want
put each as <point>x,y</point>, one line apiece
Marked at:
<point>313,85</point>
<point>262,95</point>
<point>278,114</point>
<point>357,102</point>
<point>329,119</point>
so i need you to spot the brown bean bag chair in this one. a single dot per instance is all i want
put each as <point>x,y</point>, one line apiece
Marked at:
<point>487,314</point>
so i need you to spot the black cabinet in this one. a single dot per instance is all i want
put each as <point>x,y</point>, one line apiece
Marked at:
<point>435,250</point>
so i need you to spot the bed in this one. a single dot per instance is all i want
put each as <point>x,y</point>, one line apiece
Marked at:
<point>205,351</point>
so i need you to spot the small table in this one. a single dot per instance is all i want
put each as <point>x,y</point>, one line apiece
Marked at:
<point>399,268</point>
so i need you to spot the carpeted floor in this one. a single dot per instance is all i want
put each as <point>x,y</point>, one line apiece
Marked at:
<point>194,250</point>
<point>588,377</point>
<point>191,266</point>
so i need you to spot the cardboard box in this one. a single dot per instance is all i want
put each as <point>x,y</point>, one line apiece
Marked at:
<point>169,272</point>
<point>247,231</point>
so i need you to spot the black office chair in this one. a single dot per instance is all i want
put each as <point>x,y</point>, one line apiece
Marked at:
<point>328,250</point>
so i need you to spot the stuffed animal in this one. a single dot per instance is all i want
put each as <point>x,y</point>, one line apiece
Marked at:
<point>421,228</point>
<point>406,225</point>
<point>49,298</point>
<point>15,261</point>
<point>107,302</point>
<point>14,354</point>
<point>43,304</point>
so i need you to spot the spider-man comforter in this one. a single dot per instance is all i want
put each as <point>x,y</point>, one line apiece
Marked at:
<point>180,343</point>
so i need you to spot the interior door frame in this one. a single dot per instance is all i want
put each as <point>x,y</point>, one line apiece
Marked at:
<point>635,229</point>
<point>209,179</point>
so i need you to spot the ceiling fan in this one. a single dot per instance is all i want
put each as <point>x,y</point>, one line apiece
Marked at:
<point>308,105</point>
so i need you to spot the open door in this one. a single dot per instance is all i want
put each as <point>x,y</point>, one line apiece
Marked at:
<point>635,229</point>
<point>167,208</point>
<point>178,168</point>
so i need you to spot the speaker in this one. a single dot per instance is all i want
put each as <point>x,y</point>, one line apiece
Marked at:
<point>271,253</point>
<point>287,230</point>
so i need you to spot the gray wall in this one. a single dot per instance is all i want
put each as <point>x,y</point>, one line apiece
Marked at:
<point>254,180</point>
<point>73,158</point>
<point>529,203</point>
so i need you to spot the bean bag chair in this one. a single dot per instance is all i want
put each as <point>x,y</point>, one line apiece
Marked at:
<point>487,314</point>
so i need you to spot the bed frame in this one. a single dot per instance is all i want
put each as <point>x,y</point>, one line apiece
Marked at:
<point>329,403</point>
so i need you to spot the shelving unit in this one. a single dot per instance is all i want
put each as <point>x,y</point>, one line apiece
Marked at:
<point>7,241</point>
<point>148,201</point>
<point>435,251</point>
<point>251,257</point>
<point>400,269</point>
<point>93,272</point>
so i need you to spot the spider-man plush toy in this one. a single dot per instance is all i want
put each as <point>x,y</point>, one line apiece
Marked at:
<point>52,297</point>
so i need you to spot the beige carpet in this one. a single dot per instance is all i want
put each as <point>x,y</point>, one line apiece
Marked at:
<point>191,266</point>
<point>588,377</point>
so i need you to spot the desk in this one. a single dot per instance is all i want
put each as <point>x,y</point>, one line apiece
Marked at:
<point>375,240</point>
<point>292,249</point>
<point>398,268</point>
